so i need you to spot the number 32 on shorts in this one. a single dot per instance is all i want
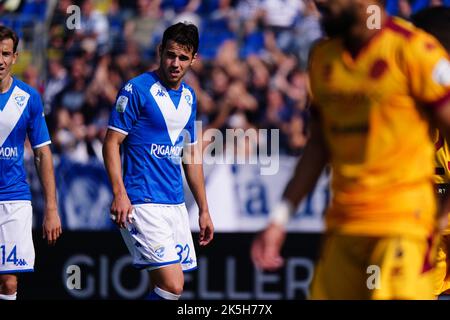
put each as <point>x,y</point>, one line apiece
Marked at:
<point>184,253</point>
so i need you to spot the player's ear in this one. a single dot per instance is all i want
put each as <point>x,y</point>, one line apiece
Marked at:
<point>194,58</point>
<point>15,55</point>
<point>160,50</point>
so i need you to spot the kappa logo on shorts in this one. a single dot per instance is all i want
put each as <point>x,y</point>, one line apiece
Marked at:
<point>160,251</point>
<point>21,262</point>
<point>134,231</point>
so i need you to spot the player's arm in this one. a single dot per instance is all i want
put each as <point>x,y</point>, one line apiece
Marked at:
<point>193,169</point>
<point>44,167</point>
<point>267,245</point>
<point>121,207</point>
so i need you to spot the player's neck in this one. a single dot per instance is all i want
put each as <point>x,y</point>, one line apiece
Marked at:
<point>361,35</point>
<point>165,82</point>
<point>5,84</point>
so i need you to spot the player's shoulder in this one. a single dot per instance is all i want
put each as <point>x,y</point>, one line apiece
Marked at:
<point>145,78</point>
<point>139,83</point>
<point>324,46</point>
<point>322,52</point>
<point>188,88</point>
<point>401,28</point>
<point>407,33</point>
<point>26,87</point>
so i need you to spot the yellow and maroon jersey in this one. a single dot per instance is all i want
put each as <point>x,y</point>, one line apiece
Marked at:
<point>371,109</point>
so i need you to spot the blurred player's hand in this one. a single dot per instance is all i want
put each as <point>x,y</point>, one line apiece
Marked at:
<point>266,247</point>
<point>121,210</point>
<point>51,228</point>
<point>443,222</point>
<point>206,228</point>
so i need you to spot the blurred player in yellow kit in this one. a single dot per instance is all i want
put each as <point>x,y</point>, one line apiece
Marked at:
<point>375,92</point>
<point>436,21</point>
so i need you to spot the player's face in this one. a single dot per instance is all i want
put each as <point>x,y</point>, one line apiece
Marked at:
<point>7,58</point>
<point>175,62</point>
<point>338,16</point>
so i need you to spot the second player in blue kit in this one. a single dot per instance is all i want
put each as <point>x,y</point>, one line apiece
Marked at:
<point>154,122</point>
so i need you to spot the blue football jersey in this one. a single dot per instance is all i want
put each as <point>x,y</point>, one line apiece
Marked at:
<point>158,121</point>
<point>21,114</point>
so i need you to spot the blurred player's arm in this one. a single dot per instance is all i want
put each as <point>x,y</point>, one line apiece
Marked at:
<point>43,161</point>
<point>267,245</point>
<point>121,207</point>
<point>309,167</point>
<point>193,169</point>
<point>442,121</point>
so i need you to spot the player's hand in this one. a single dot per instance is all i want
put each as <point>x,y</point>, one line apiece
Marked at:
<point>121,210</point>
<point>266,247</point>
<point>51,228</point>
<point>442,222</point>
<point>206,228</point>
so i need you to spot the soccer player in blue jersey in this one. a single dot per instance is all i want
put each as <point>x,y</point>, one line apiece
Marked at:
<point>153,122</point>
<point>21,115</point>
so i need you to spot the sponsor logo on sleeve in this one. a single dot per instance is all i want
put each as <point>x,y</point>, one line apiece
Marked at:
<point>121,104</point>
<point>441,72</point>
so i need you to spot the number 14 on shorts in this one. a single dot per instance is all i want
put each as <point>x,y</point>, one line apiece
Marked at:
<point>10,256</point>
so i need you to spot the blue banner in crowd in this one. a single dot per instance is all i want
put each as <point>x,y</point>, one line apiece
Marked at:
<point>84,195</point>
<point>239,197</point>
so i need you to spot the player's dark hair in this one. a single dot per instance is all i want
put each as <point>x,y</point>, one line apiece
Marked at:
<point>7,33</point>
<point>185,34</point>
<point>436,21</point>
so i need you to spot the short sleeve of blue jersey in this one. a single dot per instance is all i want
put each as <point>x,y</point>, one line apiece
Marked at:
<point>191,130</point>
<point>126,109</point>
<point>37,127</point>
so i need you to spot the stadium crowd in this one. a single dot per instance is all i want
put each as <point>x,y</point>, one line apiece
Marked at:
<point>250,73</point>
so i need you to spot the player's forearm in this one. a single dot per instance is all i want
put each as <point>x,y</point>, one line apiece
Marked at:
<point>44,167</point>
<point>196,182</point>
<point>113,165</point>
<point>310,166</point>
<point>306,173</point>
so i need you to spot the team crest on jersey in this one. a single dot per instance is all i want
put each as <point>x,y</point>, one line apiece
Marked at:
<point>121,104</point>
<point>20,100</point>
<point>188,99</point>
<point>441,72</point>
